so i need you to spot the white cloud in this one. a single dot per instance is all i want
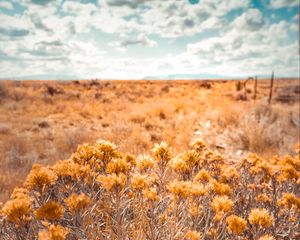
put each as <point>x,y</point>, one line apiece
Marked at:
<point>251,20</point>
<point>59,36</point>
<point>126,41</point>
<point>6,5</point>
<point>74,57</point>
<point>129,3</point>
<point>13,27</point>
<point>283,3</point>
<point>9,22</point>
<point>79,8</point>
<point>220,7</point>
<point>240,50</point>
<point>165,18</point>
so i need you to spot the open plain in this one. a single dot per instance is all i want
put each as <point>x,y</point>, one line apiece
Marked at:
<point>44,121</point>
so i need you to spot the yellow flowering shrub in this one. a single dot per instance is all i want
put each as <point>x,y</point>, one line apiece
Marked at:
<point>150,194</point>
<point>192,235</point>
<point>112,181</point>
<point>162,152</point>
<point>203,176</point>
<point>263,198</point>
<point>118,166</point>
<point>267,237</point>
<point>51,211</point>
<point>144,163</point>
<point>260,217</point>
<point>180,188</point>
<point>140,181</point>
<point>199,145</point>
<point>102,193</point>
<point>220,188</point>
<point>77,202</point>
<point>54,232</point>
<point>180,166</point>
<point>236,224</point>
<point>39,177</point>
<point>18,210</point>
<point>67,168</point>
<point>222,204</point>
<point>191,158</point>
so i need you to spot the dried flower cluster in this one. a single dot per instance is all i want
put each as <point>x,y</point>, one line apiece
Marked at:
<point>53,232</point>
<point>102,193</point>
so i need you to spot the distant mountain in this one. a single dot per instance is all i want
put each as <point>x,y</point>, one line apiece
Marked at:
<point>44,77</point>
<point>189,76</point>
<point>200,76</point>
<point>204,76</point>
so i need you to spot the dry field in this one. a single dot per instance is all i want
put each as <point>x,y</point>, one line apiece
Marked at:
<point>43,122</point>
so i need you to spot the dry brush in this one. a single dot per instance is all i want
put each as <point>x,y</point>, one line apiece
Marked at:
<point>102,193</point>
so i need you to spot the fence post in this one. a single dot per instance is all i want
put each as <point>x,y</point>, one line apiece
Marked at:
<point>245,88</point>
<point>271,89</point>
<point>255,88</point>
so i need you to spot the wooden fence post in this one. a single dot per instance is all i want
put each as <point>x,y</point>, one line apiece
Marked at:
<point>255,88</point>
<point>271,89</point>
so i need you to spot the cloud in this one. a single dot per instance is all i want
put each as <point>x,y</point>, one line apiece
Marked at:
<point>37,2</point>
<point>251,20</point>
<point>43,8</point>
<point>282,3</point>
<point>6,5</point>
<point>78,8</point>
<point>77,58</point>
<point>129,3</point>
<point>248,48</point>
<point>169,19</point>
<point>38,23</point>
<point>13,27</point>
<point>205,37</point>
<point>221,8</point>
<point>126,41</point>
<point>13,33</point>
<point>9,22</point>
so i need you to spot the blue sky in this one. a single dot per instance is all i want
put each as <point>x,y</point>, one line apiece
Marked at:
<point>135,39</point>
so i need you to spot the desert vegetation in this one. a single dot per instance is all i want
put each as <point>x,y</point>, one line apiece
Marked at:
<point>102,193</point>
<point>44,121</point>
<point>149,120</point>
<point>241,183</point>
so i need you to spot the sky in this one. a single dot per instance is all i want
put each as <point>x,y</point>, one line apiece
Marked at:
<point>143,39</point>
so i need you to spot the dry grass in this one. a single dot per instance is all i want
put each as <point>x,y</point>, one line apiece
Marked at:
<point>41,122</point>
<point>263,129</point>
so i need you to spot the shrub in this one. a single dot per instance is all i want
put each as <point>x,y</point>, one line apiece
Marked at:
<point>102,193</point>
